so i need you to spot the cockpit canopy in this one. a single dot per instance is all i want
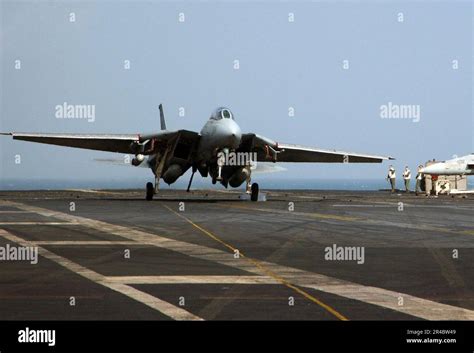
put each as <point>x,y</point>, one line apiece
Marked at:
<point>222,113</point>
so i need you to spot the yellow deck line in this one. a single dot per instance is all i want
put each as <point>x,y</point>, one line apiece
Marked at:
<point>264,269</point>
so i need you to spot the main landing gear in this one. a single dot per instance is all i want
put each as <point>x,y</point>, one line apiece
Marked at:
<point>150,191</point>
<point>254,192</point>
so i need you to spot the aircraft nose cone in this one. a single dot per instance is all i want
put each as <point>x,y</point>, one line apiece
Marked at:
<point>235,135</point>
<point>227,134</point>
<point>432,169</point>
<point>425,170</point>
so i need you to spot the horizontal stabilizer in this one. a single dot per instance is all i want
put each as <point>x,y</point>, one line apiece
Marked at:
<point>121,162</point>
<point>268,167</point>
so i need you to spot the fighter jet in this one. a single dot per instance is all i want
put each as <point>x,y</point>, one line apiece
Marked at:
<point>216,151</point>
<point>456,166</point>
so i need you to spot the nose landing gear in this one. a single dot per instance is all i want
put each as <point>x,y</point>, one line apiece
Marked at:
<point>251,189</point>
<point>221,158</point>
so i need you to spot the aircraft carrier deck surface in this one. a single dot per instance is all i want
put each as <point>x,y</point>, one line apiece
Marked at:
<point>206,255</point>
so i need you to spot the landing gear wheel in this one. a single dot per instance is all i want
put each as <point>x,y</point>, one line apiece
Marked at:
<point>254,194</point>
<point>150,191</point>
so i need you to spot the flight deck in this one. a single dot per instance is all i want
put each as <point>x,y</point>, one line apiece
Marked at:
<point>206,255</point>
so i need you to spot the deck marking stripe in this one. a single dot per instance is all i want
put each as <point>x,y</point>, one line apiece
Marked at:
<point>305,214</point>
<point>91,191</point>
<point>85,242</point>
<point>394,205</point>
<point>264,269</point>
<point>358,219</point>
<point>162,306</point>
<point>38,224</point>
<point>13,212</point>
<point>414,306</point>
<point>239,279</point>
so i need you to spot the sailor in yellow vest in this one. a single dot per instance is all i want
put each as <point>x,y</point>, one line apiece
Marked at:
<point>406,178</point>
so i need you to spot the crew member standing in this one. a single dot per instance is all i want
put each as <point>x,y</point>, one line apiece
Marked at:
<point>419,177</point>
<point>391,177</point>
<point>406,178</point>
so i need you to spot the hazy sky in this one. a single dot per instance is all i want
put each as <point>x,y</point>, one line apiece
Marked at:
<point>424,60</point>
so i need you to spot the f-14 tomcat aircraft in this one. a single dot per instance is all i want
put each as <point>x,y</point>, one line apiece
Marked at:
<point>171,153</point>
<point>457,166</point>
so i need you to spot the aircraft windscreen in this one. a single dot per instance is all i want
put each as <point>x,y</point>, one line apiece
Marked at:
<point>226,114</point>
<point>222,113</point>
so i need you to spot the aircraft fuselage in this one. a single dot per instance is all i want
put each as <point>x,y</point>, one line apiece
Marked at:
<point>456,166</point>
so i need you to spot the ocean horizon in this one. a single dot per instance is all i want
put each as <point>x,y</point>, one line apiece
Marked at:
<point>201,183</point>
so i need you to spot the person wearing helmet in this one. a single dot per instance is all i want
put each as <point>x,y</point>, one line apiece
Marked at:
<point>406,178</point>
<point>419,177</point>
<point>391,177</point>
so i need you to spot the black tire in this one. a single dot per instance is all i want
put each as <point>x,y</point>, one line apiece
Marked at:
<point>254,194</point>
<point>150,191</point>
